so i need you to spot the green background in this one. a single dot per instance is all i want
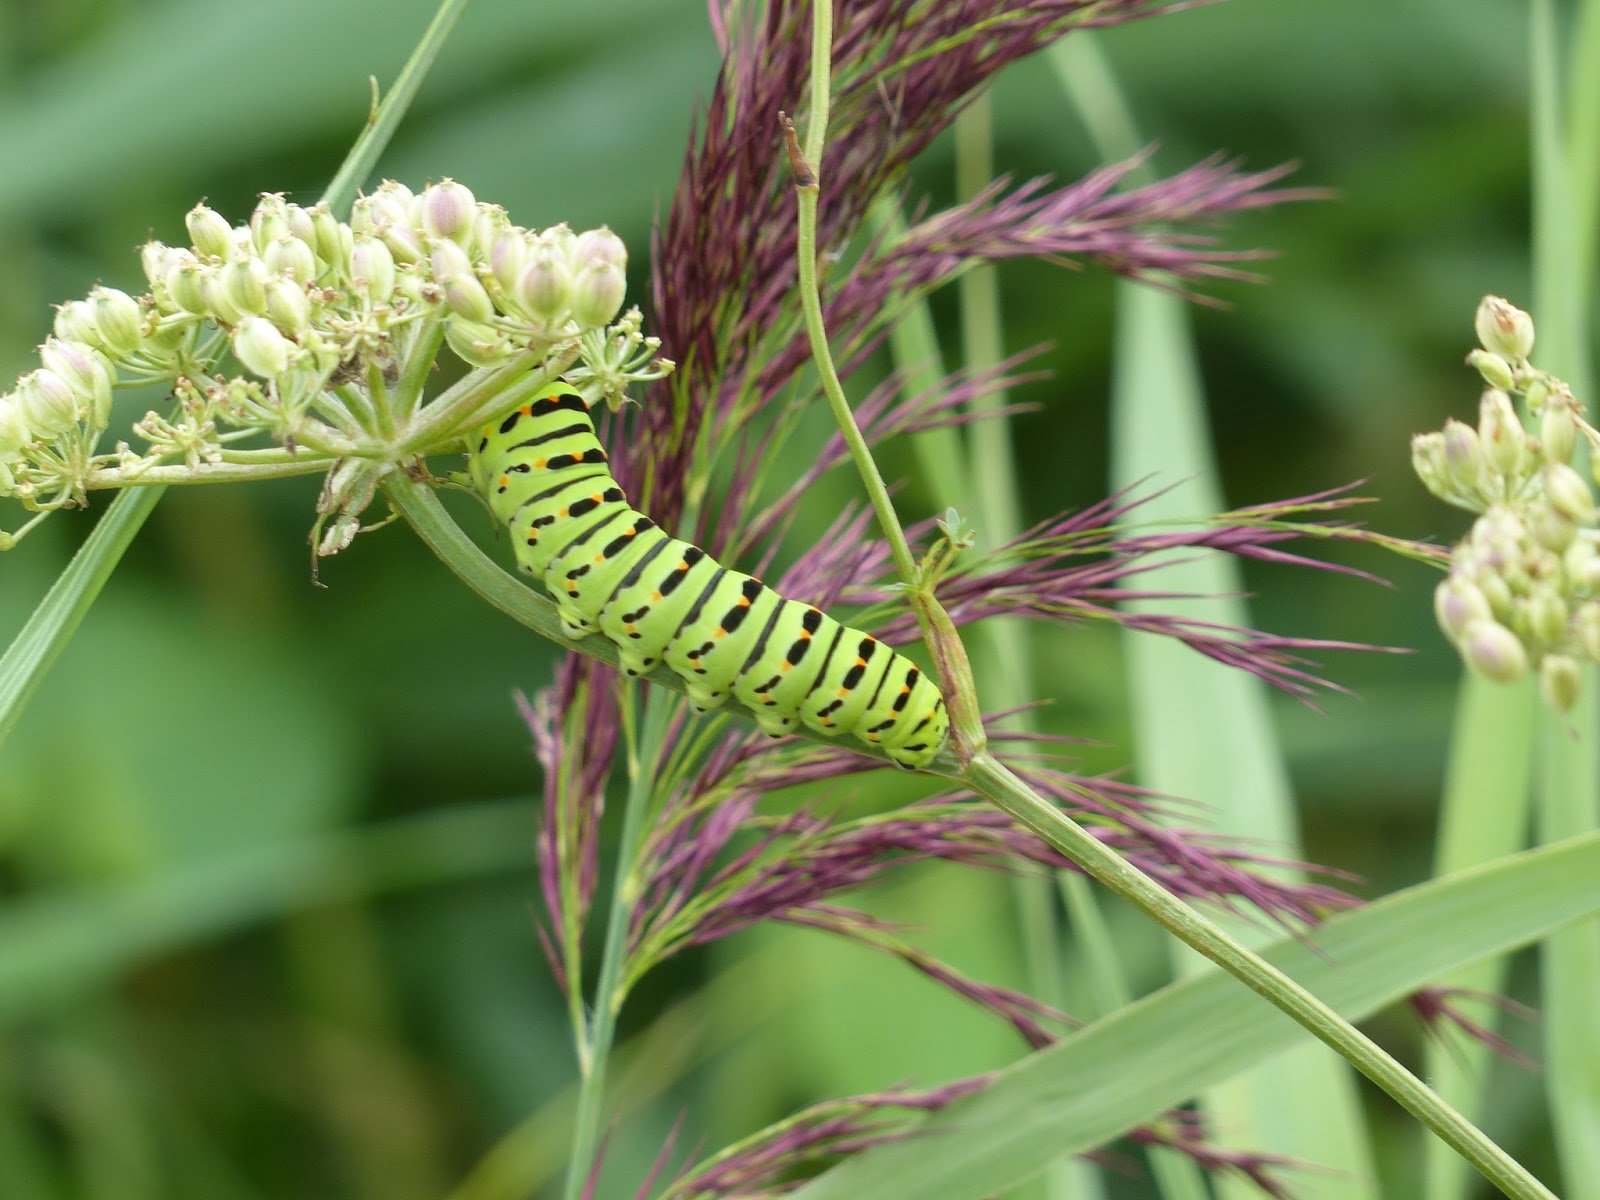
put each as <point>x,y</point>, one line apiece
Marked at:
<point>265,847</point>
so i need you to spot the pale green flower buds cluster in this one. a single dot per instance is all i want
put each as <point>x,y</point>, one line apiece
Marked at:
<point>330,328</point>
<point>1523,591</point>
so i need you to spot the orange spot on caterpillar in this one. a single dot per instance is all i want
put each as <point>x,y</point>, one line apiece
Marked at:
<point>719,633</point>
<point>861,662</point>
<point>843,692</point>
<point>526,410</point>
<point>784,666</point>
<point>744,602</point>
<point>563,512</point>
<point>597,497</point>
<point>505,481</point>
<point>599,558</point>
<point>655,597</point>
<point>539,463</point>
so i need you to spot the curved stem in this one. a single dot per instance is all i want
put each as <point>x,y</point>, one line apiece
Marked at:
<point>992,780</point>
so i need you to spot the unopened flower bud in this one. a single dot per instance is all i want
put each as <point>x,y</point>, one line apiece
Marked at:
<point>49,405</point>
<point>288,306</point>
<point>452,271</point>
<point>403,243</point>
<point>1463,457</point>
<point>1567,493</point>
<point>332,238</point>
<point>1501,434</point>
<point>372,269</point>
<point>508,254</point>
<point>14,431</point>
<point>478,345</point>
<point>1494,651</point>
<point>219,303</point>
<point>261,348</point>
<point>1458,604</point>
<point>1560,681</point>
<point>488,223</point>
<point>300,225</point>
<point>246,282</point>
<point>209,231</point>
<point>1427,460</point>
<point>1504,328</point>
<point>1547,615</point>
<point>1558,433</point>
<point>268,222</point>
<point>544,286</point>
<point>391,203</point>
<point>117,320</point>
<point>447,210</point>
<point>184,283</point>
<point>600,281</point>
<point>154,257</point>
<point>1498,594</point>
<point>1554,530</point>
<point>1496,371</point>
<point>75,323</point>
<point>293,257</point>
<point>85,371</point>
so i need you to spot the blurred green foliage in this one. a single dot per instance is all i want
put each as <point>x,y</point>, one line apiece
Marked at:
<point>265,847</point>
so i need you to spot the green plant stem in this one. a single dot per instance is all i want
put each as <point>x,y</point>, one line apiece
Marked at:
<point>594,1053</point>
<point>223,472</point>
<point>992,780</point>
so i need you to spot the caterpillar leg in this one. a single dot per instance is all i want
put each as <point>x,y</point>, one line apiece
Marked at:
<point>574,624</point>
<point>773,723</point>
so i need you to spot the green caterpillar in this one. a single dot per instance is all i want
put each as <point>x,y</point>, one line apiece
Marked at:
<point>612,570</point>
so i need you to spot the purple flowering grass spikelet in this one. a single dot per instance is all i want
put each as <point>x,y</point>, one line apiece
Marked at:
<point>724,259</point>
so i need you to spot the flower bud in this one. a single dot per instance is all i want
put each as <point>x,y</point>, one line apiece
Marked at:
<point>184,283</point>
<point>1547,615</point>
<point>219,303</point>
<point>372,269</point>
<point>1501,434</point>
<point>544,286</point>
<point>209,231</point>
<point>1498,594</point>
<point>85,371</point>
<point>1504,328</point>
<point>269,221</point>
<point>49,405</point>
<point>118,320</point>
<point>478,345</point>
<point>1458,604</point>
<point>1427,460</point>
<point>1554,530</point>
<point>1494,651</point>
<point>391,203</point>
<point>452,271</point>
<point>301,227</point>
<point>261,348</point>
<point>1463,457</point>
<point>14,431</point>
<point>246,282</point>
<point>508,254</point>
<point>332,238</point>
<point>1560,681</point>
<point>292,257</point>
<point>1496,371</point>
<point>487,225</point>
<point>75,322</point>
<point>600,281</point>
<point>153,257</point>
<point>1558,433</point>
<point>447,211</point>
<point>1567,493</point>
<point>288,306</point>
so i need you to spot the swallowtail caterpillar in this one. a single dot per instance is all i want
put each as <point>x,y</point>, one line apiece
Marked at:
<point>612,570</point>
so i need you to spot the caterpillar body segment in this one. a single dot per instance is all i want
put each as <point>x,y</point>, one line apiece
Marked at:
<point>612,570</point>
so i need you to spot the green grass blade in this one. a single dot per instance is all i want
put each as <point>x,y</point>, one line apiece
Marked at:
<point>1568,773</point>
<point>1174,1043</point>
<point>35,649</point>
<point>1222,753</point>
<point>1484,816</point>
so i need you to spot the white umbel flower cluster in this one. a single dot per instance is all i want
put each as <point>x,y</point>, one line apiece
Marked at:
<point>296,342</point>
<point>1523,591</point>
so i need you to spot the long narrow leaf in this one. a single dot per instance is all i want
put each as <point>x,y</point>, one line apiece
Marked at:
<point>1173,1044</point>
<point>1203,730</point>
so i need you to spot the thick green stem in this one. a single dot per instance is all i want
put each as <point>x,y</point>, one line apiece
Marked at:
<point>594,1053</point>
<point>991,779</point>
